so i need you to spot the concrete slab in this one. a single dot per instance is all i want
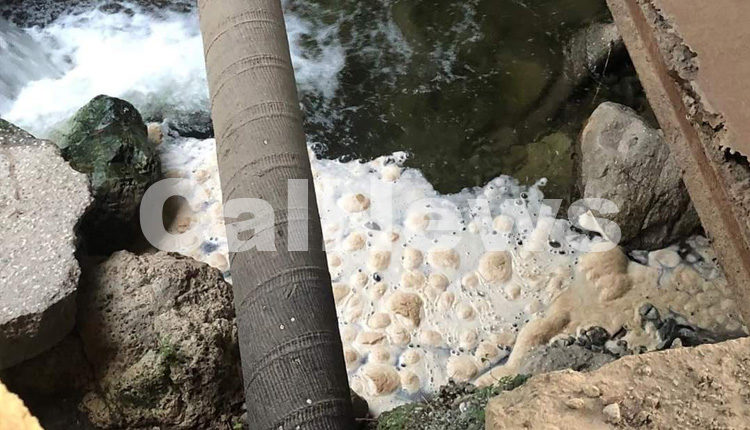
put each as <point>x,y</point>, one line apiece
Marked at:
<point>691,56</point>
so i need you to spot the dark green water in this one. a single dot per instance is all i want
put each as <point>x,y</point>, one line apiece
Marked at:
<point>455,83</point>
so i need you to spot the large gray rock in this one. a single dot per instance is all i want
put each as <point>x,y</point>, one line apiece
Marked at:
<point>159,333</point>
<point>626,161</point>
<point>41,200</point>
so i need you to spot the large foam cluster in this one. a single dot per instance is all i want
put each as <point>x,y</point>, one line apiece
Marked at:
<point>432,287</point>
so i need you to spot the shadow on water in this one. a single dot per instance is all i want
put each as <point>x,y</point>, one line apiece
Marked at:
<point>454,83</point>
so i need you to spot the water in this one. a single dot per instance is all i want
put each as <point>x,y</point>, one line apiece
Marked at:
<point>442,89</point>
<point>23,61</point>
<point>454,83</point>
<point>445,80</point>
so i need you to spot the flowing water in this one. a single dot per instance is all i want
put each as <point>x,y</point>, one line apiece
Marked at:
<point>407,103</point>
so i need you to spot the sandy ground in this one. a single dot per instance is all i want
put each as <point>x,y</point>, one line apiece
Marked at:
<point>706,387</point>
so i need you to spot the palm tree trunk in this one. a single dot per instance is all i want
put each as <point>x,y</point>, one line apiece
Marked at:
<point>292,360</point>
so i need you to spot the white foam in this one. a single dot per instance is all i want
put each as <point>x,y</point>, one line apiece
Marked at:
<point>156,63</point>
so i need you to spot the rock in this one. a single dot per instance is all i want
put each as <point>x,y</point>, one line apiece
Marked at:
<point>612,413</point>
<point>550,158</point>
<point>675,329</point>
<point>587,51</point>
<point>42,200</point>
<point>685,388</point>
<point>627,162</point>
<point>197,125</point>
<point>108,140</point>
<point>550,358</point>
<point>159,333</point>
<point>13,413</point>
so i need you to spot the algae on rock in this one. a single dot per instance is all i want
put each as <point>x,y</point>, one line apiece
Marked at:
<point>107,140</point>
<point>456,406</point>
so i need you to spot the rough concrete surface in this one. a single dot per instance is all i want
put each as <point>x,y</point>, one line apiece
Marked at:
<point>667,42</point>
<point>707,387</point>
<point>41,201</point>
<point>718,35</point>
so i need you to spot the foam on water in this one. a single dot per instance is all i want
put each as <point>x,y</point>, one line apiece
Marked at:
<point>428,286</point>
<point>433,287</point>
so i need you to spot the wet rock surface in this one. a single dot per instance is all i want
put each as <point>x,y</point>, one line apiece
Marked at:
<point>108,141</point>
<point>158,331</point>
<point>42,200</point>
<point>589,351</point>
<point>626,161</point>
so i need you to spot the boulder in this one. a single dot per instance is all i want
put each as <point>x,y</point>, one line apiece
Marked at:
<point>108,140</point>
<point>627,162</point>
<point>159,333</point>
<point>42,200</point>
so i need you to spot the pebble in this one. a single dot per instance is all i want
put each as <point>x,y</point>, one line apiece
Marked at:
<point>410,381</point>
<point>378,290</point>
<point>575,403</point>
<point>340,291</point>
<point>431,338</point>
<point>358,279</point>
<point>591,391</point>
<point>465,312</point>
<point>612,413</point>
<point>370,338</point>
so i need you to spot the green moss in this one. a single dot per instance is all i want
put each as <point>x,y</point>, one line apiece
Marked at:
<point>108,141</point>
<point>456,407</point>
<point>399,418</point>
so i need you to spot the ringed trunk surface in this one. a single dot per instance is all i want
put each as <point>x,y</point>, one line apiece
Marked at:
<point>292,359</point>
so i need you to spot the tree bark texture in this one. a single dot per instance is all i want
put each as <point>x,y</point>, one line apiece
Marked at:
<point>292,359</point>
